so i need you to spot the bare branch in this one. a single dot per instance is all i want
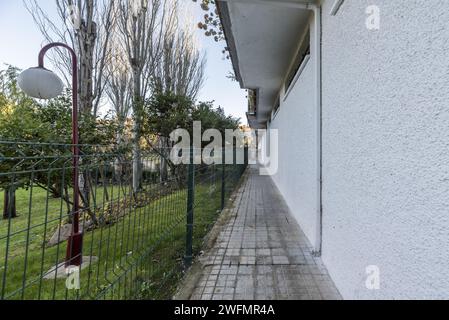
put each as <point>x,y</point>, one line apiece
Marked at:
<point>90,40</point>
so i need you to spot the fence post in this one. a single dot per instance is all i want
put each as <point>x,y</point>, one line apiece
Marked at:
<point>223,180</point>
<point>245,165</point>
<point>190,208</point>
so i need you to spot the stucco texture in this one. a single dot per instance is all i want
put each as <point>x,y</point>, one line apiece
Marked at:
<point>386,148</point>
<point>298,140</point>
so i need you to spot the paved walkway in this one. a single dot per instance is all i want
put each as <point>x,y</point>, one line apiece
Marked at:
<point>262,253</point>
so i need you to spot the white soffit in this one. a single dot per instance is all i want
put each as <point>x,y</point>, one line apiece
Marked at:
<point>266,37</point>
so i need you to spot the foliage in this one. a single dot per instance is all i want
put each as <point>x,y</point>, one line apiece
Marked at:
<point>214,118</point>
<point>211,24</point>
<point>25,119</point>
<point>166,112</point>
<point>46,127</point>
<point>17,111</point>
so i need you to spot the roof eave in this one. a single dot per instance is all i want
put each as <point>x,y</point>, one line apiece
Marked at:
<point>223,11</point>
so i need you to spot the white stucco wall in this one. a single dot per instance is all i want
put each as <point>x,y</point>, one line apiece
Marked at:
<point>386,148</point>
<point>298,165</point>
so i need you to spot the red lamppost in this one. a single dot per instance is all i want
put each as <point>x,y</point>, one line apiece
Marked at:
<point>42,83</point>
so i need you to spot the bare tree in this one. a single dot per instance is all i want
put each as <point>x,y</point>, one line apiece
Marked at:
<point>86,26</point>
<point>180,70</point>
<point>181,67</point>
<point>119,89</point>
<point>142,25</point>
<point>119,76</point>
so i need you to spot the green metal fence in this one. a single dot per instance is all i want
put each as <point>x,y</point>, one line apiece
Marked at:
<point>136,243</point>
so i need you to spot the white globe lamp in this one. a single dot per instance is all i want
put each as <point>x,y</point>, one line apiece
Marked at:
<point>40,83</point>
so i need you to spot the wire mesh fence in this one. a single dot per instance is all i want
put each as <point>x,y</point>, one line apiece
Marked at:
<point>134,242</point>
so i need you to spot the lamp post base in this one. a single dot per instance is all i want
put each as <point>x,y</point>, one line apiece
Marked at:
<point>60,271</point>
<point>74,255</point>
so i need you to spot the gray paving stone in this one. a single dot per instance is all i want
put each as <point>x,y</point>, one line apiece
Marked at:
<point>281,260</point>
<point>208,290</point>
<point>262,253</point>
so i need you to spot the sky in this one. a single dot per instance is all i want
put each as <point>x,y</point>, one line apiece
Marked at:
<point>20,42</point>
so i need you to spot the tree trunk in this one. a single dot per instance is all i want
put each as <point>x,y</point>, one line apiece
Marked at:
<point>67,202</point>
<point>137,172</point>
<point>56,190</point>
<point>117,163</point>
<point>87,36</point>
<point>9,204</point>
<point>136,165</point>
<point>164,156</point>
<point>84,188</point>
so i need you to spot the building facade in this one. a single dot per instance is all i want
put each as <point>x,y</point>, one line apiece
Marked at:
<point>359,93</point>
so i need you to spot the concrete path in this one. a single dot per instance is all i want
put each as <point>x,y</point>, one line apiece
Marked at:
<point>261,253</point>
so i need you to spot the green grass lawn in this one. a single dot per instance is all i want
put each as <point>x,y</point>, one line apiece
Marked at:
<point>139,257</point>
